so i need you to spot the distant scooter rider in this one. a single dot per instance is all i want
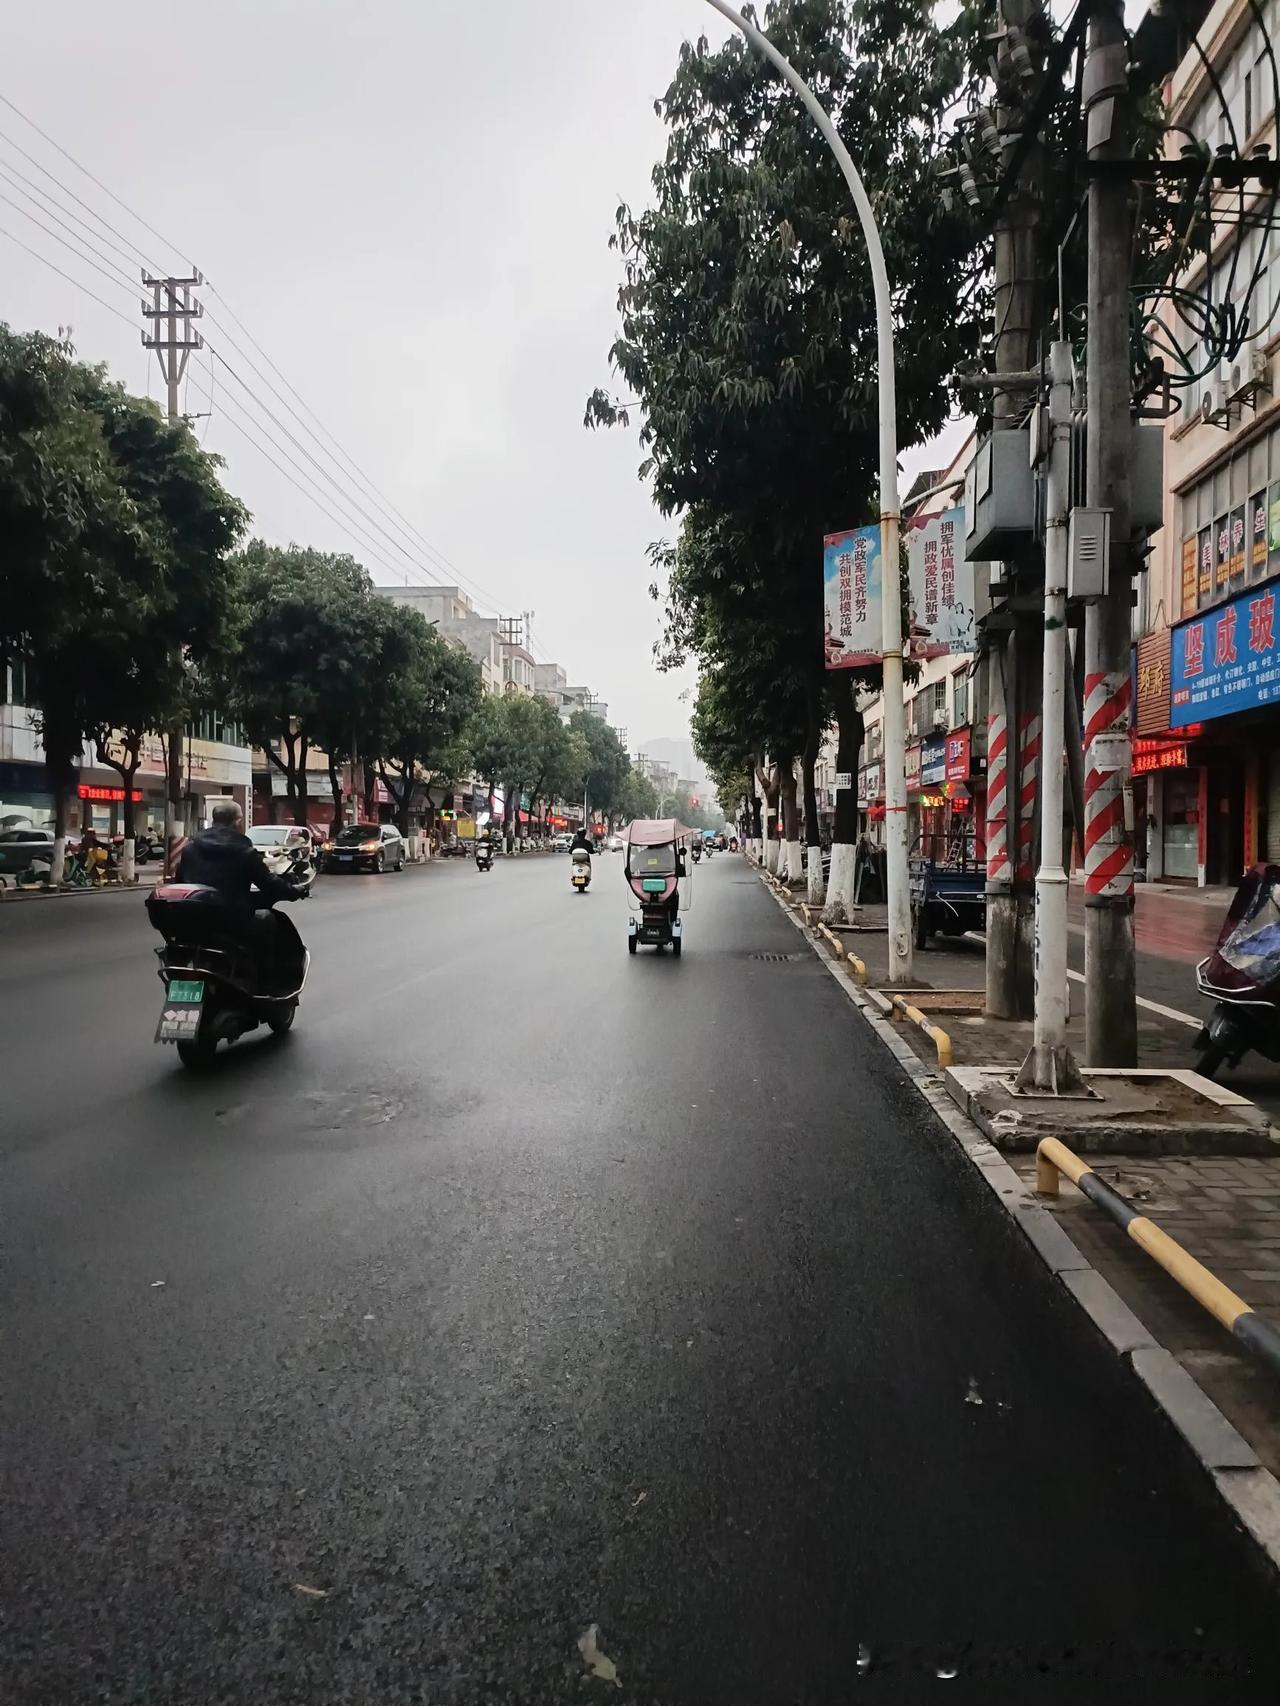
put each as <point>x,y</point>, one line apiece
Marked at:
<point>224,858</point>
<point>582,839</point>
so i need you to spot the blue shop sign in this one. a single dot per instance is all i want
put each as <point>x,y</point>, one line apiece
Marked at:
<point>933,759</point>
<point>1226,660</point>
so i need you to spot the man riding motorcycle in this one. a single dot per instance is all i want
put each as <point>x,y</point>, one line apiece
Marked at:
<point>224,858</point>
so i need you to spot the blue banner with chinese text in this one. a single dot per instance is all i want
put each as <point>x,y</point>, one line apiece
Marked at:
<point>1226,660</point>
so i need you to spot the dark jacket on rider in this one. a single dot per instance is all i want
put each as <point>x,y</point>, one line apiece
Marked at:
<point>225,860</point>
<point>582,839</point>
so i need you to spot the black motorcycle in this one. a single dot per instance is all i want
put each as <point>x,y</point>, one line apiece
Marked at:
<point>1242,976</point>
<point>211,967</point>
<point>484,856</point>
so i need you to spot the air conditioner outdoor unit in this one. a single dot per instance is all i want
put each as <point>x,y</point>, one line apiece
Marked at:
<point>1260,368</point>
<point>941,722</point>
<point>1213,404</point>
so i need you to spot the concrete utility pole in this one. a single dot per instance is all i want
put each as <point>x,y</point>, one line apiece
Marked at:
<point>1111,1022</point>
<point>1050,1065</point>
<point>173,337</point>
<point>1012,659</point>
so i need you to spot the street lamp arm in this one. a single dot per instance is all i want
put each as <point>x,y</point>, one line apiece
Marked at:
<point>891,611</point>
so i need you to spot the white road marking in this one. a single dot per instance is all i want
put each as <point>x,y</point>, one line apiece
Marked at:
<point>1154,1006</point>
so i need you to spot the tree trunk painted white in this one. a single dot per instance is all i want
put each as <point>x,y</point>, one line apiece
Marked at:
<point>795,863</point>
<point>839,907</point>
<point>414,847</point>
<point>128,870</point>
<point>753,849</point>
<point>772,848</point>
<point>817,887</point>
<point>58,868</point>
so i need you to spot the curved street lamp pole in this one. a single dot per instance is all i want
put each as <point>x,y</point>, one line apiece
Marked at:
<point>895,728</point>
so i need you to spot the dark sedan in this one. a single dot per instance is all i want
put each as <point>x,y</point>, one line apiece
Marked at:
<point>364,847</point>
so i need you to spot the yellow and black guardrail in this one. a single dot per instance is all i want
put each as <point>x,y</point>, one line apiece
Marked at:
<point>1254,1331</point>
<point>940,1039</point>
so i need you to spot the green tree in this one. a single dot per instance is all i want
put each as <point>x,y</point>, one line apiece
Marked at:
<point>159,649</point>
<point>113,580</point>
<point>747,316</point>
<point>294,612</point>
<point>637,797</point>
<point>430,696</point>
<point>607,764</point>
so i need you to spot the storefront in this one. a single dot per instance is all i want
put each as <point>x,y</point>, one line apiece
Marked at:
<point>211,770</point>
<point>1220,793</point>
<point>925,799</point>
<point>871,801</point>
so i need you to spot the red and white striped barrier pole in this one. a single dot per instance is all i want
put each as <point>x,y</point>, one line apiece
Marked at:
<point>1108,846</point>
<point>999,868</point>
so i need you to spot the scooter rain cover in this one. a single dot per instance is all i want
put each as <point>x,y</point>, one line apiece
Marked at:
<point>1253,947</point>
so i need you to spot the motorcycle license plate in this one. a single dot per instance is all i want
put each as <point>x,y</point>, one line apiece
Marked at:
<point>180,1015</point>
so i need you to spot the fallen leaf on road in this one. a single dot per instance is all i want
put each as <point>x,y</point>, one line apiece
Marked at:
<point>973,1396</point>
<point>311,1593</point>
<point>597,1662</point>
<point>638,1501</point>
<point>156,1285</point>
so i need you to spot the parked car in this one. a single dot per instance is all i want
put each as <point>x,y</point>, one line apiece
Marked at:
<point>364,847</point>
<point>613,844</point>
<point>19,846</point>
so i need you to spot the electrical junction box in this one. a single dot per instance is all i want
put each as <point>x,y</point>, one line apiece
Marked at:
<point>999,497</point>
<point>1146,474</point>
<point>1088,551</point>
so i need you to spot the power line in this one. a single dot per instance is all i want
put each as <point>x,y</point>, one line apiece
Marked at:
<point>11,172</point>
<point>112,277</point>
<point>371,490</point>
<point>37,256</point>
<point>317,432</point>
<point>44,135</point>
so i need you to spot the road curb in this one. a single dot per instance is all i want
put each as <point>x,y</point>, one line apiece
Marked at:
<point>1229,1462</point>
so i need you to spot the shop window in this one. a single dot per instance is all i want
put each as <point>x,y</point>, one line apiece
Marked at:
<point>1181,823</point>
<point>13,678</point>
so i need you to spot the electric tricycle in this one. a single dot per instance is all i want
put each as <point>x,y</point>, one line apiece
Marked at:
<point>657,869</point>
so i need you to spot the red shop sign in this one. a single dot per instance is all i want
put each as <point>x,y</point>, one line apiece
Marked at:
<point>89,791</point>
<point>957,755</point>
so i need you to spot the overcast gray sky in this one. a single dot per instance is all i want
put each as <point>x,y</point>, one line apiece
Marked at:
<point>407,203</point>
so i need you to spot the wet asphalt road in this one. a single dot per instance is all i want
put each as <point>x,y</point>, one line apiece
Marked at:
<point>528,1286</point>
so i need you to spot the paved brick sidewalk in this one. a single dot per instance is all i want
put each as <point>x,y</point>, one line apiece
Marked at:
<point>1225,1210</point>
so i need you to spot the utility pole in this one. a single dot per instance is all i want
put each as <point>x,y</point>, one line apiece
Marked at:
<point>1012,657</point>
<point>1050,1067</point>
<point>171,311</point>
<point>1111,1023</point>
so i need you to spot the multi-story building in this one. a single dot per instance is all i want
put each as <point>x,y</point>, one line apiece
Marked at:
<point>946,745</point>
<point>518,668</point>
<point>216,765</point>
<point>1206,755</point>
<point>455,618</point>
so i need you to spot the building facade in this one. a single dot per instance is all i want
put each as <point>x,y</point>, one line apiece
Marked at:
<point>217,764</point>
<point>1206,755</point>
<point>946,735</point>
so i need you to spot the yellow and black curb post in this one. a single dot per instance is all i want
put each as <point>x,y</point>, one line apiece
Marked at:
<point>940,1039</point>
<point>1254,1331</point>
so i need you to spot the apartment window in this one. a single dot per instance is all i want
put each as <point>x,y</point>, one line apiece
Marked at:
<point>960,699</point>
<point>13,678</point>
<point>939,699</point>
<point>1230,531</point>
